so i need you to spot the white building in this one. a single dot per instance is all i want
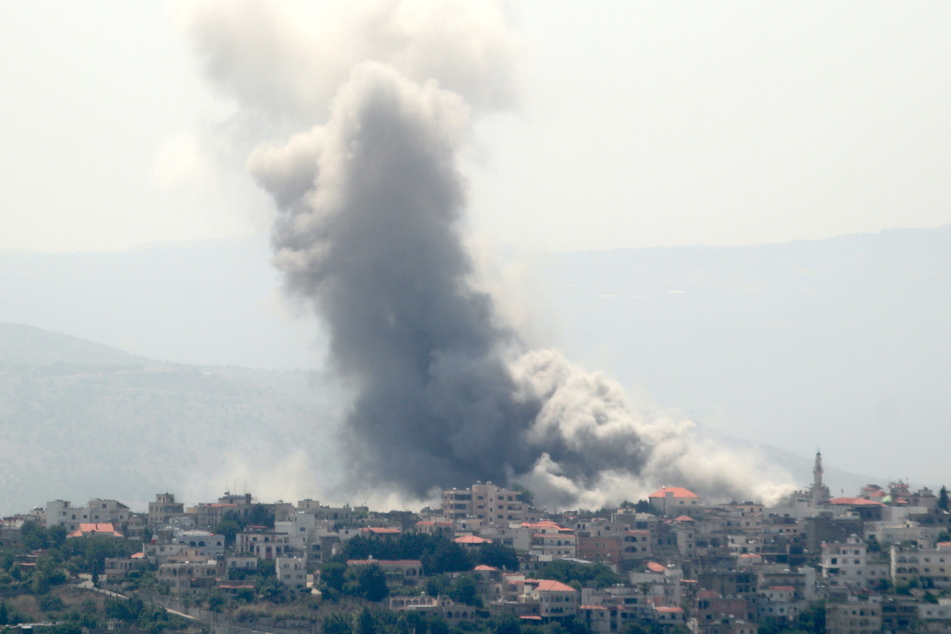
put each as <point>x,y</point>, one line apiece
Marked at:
<point>848,565</point>
<point>291,571</point>
<point>97,511</point>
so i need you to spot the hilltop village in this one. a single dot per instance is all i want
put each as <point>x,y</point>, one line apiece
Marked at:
<point>487,561</point>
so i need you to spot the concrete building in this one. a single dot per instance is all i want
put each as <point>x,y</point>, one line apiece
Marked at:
<point>486,502</point>
<point>931,567</point>
<point>164,509</point>
<point>674,501</point>
<point>854,618</point>
<point>291,571</point>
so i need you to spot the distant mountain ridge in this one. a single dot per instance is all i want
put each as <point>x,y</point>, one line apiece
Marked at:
<point>24,344</point>
<point>80,420</point>
<point>842,343</point>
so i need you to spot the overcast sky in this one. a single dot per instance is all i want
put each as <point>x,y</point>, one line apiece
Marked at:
<point>640,124</point>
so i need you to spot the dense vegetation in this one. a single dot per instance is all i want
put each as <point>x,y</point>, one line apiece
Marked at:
<point>437,554</point>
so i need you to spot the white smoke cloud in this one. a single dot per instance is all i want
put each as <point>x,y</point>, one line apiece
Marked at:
<point>376,102</point>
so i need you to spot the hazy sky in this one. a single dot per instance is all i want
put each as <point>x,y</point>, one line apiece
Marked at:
<point>640,124</point>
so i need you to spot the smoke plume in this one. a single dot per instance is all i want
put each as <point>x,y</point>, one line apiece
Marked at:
<point>381,102</point>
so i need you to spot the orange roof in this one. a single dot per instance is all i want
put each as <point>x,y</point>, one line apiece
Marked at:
<point>684,518</point>
<point>550,585</point>
<point>95,529</point>
<point>138,555</point>
<point>483,567</point>
<point>782,588</point>
<point>854,502</point>
<point>668,609</point>
<point>472,539</point>
<point>677,492</point>
<point>542,524</point>
<point>653,566</point>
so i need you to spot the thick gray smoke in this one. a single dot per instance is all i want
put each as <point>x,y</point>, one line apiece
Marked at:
<point>370,200</point>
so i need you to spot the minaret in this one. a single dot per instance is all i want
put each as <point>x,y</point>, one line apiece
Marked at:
<point>817,480</point>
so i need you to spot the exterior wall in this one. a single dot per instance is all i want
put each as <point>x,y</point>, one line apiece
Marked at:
<point>932,567</point>
<point>408,569</point>
<point>671,504</point>
<point>291,571</point>
<point>164,508</point>
<point>845,564</point>
<point>182,577</point>
<point>267,545</point>
<point>62,513</point>
<point>555,604</point>
<point>119,567</point>
<point>487,502</point>
<point>553,544</point>
<point>604,550</point>
<point>636,545</point>
<point>853,618</point>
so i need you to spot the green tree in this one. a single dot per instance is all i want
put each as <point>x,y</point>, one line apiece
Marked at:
<point>448,557</point>
<point>943,499</point>
<point>229,529</point>
<point>644,506</point>
<point>332,575</point>
<point>366,623</point>
<point>371,583</point>
<point>524,495</point>
<point>57,536</point>
<point>216,602</point>
<point>497,556</point>
<point>588,575</point>
<point>261,515</point>
<point>34,536</point>
<point>813,618</point>
<point>464,590</point>
<point>438,585</point>
<point>508,624</point>
<point>337,623</point>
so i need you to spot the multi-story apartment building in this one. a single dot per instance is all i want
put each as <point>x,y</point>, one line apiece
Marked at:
<point>97,511</point>
<point>931,567</point>
<point>487,502</point>
<point>847,564</point>
<point>164,509</point>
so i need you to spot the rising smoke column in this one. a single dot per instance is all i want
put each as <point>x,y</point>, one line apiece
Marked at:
<point>370,200</point>
<point>374,245</point>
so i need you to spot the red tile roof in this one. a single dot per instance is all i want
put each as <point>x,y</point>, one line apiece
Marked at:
<point>550,585</point>
<point>95,529</point>
<point>472,539</point>
<point>653,566</point>
<point>854,502</point>
<point>677,492</point>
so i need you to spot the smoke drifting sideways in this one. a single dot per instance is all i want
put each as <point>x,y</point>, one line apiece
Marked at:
<point>370,202</point>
